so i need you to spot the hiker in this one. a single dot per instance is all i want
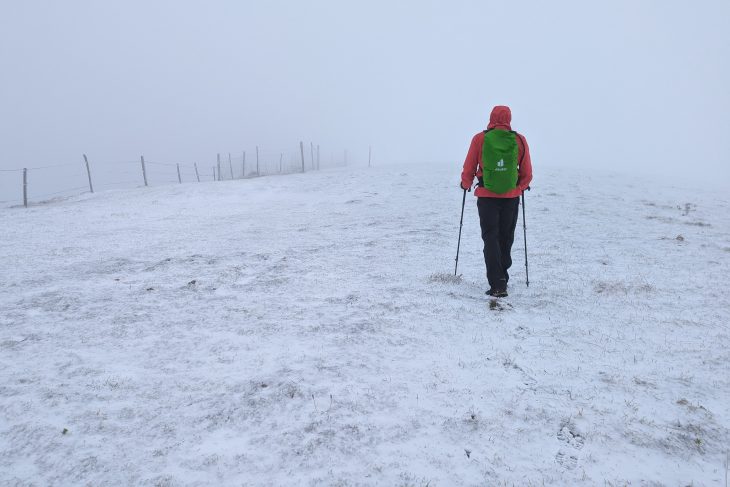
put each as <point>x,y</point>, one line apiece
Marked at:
<point>506,157</point>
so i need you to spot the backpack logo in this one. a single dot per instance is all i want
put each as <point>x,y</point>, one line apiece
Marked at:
<point>500,163</point>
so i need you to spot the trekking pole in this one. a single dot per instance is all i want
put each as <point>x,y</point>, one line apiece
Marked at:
<point>461,223</point>
<point>524,231</point>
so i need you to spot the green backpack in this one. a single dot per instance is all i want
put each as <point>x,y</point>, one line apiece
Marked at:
<point>499,160</point>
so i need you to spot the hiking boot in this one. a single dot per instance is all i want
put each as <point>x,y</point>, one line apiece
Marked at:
<point>497,293</point>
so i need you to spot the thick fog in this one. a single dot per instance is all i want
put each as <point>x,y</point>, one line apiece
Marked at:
<point>636,85</point>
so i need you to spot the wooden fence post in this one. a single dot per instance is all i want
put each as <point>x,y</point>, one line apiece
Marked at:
<point>230,165</point>
<point>213,173</point>
<point>25,187</point>
<point>311,150</point>
<point>179,179</point>
<point>281,157</point>
<point>88,172</point>
<point>243,174</point>
<point>219,167</point>
<point>257,161</point>
<point>144,171</point>
<point>197,175</point>
<point>301,148</point>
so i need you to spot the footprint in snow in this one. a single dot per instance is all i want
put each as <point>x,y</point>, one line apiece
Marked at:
<point>570,435</point>
<point>521,332</point>
<point>566,460</point>
<point>497,305</point>
<point>573,441</point>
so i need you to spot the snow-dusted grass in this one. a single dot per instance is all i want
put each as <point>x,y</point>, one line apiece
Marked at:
<point>307,330</point>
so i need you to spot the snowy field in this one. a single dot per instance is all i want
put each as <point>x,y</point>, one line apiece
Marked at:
<point>304,330</point>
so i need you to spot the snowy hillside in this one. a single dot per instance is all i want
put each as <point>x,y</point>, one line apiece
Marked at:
<point>305,330</point>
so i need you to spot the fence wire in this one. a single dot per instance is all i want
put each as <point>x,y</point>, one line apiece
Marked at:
<point>78,189</point>
<point>50,167</point>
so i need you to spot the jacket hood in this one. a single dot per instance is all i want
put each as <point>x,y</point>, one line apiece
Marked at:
<point>501,117</point>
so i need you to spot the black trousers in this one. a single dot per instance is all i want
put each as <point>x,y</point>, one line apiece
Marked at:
<point>498,219</point>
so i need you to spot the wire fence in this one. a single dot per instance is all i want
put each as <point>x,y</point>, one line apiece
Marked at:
<point>23,187</point>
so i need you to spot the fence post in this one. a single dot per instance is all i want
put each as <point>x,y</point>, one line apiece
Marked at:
<point>281,157</point>
<point>311,150</point>
<point>230,165</point>
<point>257,161</point>
<point>301,148</point>
<point>179,179</point>
<point>144,171</point>
<point>88,172</point>
<point>25,187</point>
<point>219,167</point>
<point>213,173</point>
<point>243,174</point>
<point>197,175</point>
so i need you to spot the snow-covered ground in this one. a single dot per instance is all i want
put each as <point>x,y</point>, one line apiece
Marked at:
<point>305,330</point>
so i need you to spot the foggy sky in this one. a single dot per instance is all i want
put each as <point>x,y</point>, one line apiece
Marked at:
<point>639,85</point>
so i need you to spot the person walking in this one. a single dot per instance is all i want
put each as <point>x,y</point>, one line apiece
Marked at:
<point>500,160</point>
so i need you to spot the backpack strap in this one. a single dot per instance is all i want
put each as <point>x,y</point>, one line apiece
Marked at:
<point>522,143</point>
<point>480,181</point>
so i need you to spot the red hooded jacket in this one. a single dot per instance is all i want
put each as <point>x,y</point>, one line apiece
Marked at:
<point>500,119</point>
